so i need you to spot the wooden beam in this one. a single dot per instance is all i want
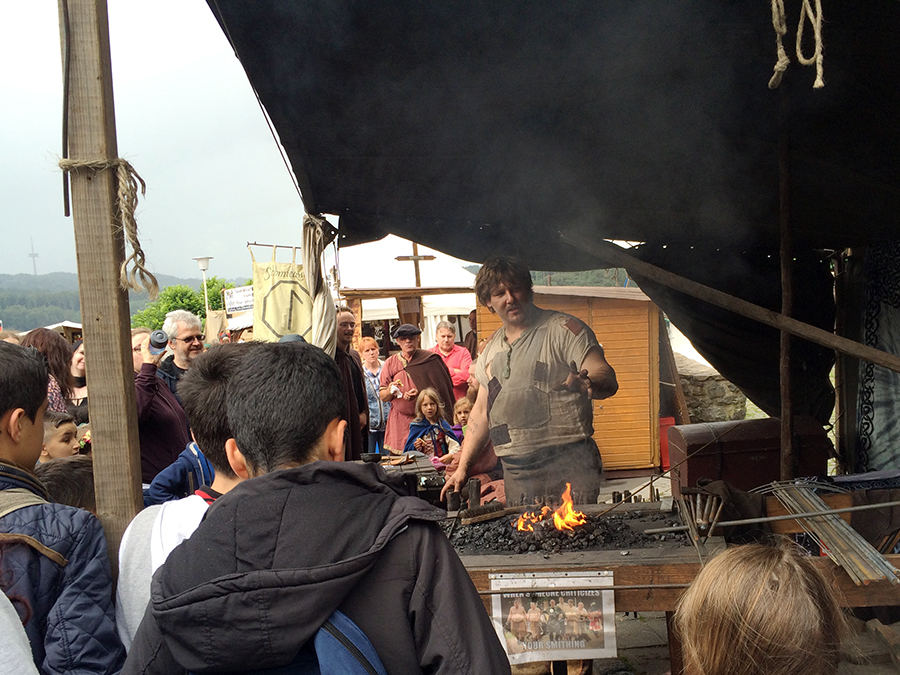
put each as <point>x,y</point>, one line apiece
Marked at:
<point>670,368</point>
<point>616,255</point>
<point>786,251</point>
<point>373,293</point>
<point>660,577</point>
<point>100,251</point>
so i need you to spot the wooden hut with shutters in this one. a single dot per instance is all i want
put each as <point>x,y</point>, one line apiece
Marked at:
<point>627,324</point>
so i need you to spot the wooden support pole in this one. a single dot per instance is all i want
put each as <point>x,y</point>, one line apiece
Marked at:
<point>100,250</point>
<point>787,298</point>
<point>669,370</point>
<point>616,255</point>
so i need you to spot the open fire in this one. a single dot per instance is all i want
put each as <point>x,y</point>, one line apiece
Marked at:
<point>565,518</point>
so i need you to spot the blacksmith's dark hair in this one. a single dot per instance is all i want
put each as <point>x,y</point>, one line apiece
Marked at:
<point>69,480</point>
<point>497,270</point>
<point>58,353</point>
<point>203,389</point>
<point>280,402</point>
<point>23,379</point>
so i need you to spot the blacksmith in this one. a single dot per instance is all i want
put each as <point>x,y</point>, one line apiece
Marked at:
<point>537,376</point>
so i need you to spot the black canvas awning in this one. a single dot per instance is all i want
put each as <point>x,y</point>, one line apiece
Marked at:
<point>476,127</point>
<point>488,127</point>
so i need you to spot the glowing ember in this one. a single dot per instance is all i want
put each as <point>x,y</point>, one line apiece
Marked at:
<point>527,521</point>
<point>564,518</point>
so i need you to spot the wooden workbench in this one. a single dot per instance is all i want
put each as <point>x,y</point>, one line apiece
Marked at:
<point>648,580</point>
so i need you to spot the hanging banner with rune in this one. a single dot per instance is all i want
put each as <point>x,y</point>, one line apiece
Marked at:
<point>282,303</point>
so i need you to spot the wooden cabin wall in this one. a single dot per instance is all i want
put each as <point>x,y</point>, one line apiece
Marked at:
<point>626,426</point>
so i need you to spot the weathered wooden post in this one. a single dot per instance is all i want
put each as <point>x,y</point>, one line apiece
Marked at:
<point>100,248</point>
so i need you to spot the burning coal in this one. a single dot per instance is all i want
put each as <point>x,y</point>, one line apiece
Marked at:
<point>565,518</point>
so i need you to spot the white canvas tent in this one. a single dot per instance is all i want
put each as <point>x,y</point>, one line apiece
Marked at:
<point>374,265</point>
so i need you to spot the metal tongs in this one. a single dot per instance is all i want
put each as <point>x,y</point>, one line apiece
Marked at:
<point>700,513</point>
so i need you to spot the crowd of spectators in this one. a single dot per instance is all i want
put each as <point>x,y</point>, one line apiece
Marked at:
<point>259,531</point>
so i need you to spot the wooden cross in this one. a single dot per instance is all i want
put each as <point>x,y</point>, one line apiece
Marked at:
<point>415,258</point>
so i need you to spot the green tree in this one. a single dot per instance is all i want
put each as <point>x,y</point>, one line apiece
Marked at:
<point>170,298</point>
<point>214,287</point>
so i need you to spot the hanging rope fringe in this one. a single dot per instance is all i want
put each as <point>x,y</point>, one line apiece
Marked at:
<point>779,23</point>
<point>815,18</point>
<point>139,278</point>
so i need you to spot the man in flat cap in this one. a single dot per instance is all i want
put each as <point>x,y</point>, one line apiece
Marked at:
<point>403,376</point>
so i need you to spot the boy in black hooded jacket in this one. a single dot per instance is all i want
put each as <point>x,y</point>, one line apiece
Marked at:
<point>308,535</point>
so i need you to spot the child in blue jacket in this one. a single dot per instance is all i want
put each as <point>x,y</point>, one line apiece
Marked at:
<point>53,558</point>
<point>429,432</point>
<point>181,478</point>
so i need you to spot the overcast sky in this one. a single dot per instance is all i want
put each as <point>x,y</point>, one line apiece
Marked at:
<point>187,120</point>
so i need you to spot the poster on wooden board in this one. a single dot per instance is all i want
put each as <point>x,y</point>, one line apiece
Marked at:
<point>550,616</point>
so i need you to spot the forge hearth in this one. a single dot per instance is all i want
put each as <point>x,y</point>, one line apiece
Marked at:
<point>616,531</point>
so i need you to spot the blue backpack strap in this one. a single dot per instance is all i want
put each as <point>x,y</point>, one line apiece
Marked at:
<point>339,647</point>
<point>343,648</point>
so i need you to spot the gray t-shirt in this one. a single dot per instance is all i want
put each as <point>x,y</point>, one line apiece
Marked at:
<point>525,413</point>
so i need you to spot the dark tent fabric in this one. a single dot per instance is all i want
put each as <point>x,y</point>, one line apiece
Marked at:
<point>746,352</point>
<point>480,128</point>
<point>476,127</point>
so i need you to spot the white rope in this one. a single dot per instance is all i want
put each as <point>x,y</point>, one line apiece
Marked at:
<point>779,23</point>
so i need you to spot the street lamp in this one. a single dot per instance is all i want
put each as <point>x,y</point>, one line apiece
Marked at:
<point>203,263</point>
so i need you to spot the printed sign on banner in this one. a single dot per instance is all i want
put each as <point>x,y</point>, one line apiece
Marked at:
<point>238,299</point>
<point>549,616</point>
<point>282,303</point>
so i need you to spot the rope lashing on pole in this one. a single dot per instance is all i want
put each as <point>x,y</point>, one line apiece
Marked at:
<point>138,278</point>
<point>779,23</point>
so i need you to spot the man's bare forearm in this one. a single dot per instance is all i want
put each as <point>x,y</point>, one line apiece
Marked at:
<point>477,435</point>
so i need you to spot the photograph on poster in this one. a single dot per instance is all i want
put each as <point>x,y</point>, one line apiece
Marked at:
<point>549,617</point>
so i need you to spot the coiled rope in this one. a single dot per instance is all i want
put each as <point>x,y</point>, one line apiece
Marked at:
<point>779,23</point>
<point>138,278</point>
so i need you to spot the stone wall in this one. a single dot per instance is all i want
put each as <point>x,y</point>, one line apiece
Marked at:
<point>710,397</point>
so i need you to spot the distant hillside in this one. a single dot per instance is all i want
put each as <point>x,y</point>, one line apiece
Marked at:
<point>28,301</point>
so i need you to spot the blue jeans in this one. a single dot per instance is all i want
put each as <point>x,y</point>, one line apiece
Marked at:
<point>376,441</point>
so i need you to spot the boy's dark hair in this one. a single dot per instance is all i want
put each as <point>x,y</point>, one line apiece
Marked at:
<point>202,390</point>
<point>23,379</point>
<point>69,480</point>
<point>280,402</point>
<point>497,270</point>
<point>54,419</point>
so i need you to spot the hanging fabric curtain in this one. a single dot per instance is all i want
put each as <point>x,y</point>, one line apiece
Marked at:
<point>317,234</point>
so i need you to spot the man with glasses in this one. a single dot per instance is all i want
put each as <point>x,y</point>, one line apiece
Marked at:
<point>186,342</point>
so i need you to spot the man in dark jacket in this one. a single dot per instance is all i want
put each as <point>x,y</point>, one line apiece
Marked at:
<point>186,342</point>
<point>306,536</point>
<point>53,561</point>
<point>356,407</point>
